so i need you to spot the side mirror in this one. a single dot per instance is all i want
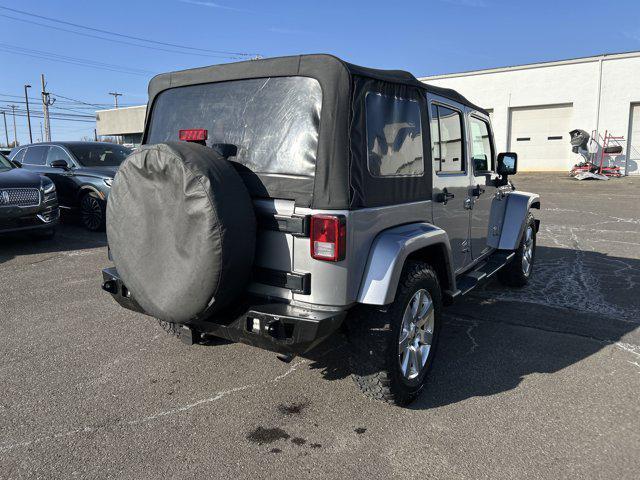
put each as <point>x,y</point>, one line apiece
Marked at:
<point>507,164</point>
<point>17,163</point>
<point>60,164</point>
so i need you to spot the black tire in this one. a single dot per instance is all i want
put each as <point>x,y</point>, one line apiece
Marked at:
<point>516,273</point>
<point>374,337</point>
<point>92,212</point>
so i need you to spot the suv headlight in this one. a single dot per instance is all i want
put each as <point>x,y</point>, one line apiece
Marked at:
<point>108,181</point>
<point>48,190</point>
<point>48,187</point>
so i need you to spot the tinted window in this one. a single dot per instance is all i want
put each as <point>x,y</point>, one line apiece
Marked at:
<point>481,147</point>
<point>446,140</point>
<point>274,122</point>
<point>19,155</point>
<point>99,155</point>
<point>35,155</point>
<point>5,164</point>
<point>57,153</point>
<point>394,136</point>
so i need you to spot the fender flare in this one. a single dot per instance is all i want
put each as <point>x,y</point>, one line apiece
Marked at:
<point>387,257</point>
<point>89,188</point>
<point>515,215</point>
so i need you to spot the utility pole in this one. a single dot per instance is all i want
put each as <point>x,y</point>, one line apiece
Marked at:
<point>15,131</point>
<point>6,132</point>
<point>115,97</point>
<point>47,101</point>
<point>41,136</point>
<point>26,99</point>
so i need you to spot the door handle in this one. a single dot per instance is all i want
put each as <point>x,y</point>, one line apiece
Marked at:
<point>444,197</point>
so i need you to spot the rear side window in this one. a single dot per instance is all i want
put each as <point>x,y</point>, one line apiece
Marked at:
<point>274,122</point>
<point>394,136</point>
<point>35,155</point>
<point>19,155</point>
<point>447,148</point>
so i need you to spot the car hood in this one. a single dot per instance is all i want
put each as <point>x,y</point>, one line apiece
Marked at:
<point>19,178</point>
<point>102,172</point>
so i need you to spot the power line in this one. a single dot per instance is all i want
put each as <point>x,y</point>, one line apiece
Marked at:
<point>71,60</point>
<point>156,42</point>
<point>80,101</point>
<point>122,42</point>
<point>70,102</point>
<point>54,117</point>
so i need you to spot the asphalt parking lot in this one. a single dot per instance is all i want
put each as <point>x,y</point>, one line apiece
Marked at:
<point>542,382</point>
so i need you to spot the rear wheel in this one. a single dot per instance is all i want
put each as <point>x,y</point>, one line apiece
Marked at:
<point>518,271</point>
<point>92,212</point>
<point>392,350</point>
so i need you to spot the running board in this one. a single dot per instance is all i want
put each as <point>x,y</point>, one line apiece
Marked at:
<point>470,280</point>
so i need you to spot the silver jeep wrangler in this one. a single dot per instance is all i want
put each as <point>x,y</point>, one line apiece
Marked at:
<point>276,201</point>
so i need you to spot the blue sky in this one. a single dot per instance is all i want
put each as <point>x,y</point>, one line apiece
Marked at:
<point>427,37</point>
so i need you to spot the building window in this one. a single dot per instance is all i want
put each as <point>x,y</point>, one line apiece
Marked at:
<point>394,136</point>
<point>447,149</point>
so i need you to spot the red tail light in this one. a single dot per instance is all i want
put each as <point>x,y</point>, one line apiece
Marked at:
<point>328,237</point>
<point>193,135</point>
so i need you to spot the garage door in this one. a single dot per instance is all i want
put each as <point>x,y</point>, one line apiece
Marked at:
<point>540,137</point>
<point>633,153</point>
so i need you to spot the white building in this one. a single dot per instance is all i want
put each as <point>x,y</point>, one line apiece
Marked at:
<point>533,107</point>
<point>127,123</point>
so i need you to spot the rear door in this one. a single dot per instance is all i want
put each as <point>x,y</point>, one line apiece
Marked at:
<point>451,183</point>
<point>274,124</point>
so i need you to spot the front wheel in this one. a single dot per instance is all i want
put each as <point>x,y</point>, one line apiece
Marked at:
<point>518,271</point>
<point>92,211</point>
<point>392,350</point>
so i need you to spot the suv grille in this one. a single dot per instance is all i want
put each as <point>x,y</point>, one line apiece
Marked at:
<point>19,197</point>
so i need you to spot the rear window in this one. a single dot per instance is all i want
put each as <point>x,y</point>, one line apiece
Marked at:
<point>97,155</point>
<point>274,122</point>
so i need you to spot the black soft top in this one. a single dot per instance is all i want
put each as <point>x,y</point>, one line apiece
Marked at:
<point>341,178</point>
<point>295,65</point>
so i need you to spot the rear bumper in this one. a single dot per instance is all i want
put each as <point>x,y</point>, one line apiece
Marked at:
<point>255,321</point>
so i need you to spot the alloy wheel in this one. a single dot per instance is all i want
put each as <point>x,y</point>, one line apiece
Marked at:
<point>527,251</point>
<point>416,334</point>
<point>91,212</point>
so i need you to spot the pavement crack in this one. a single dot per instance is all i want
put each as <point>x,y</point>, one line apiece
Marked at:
<point>149,418</point>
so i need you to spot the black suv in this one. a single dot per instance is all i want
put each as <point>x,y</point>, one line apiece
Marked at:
<point>82,172</point>
<point>27,201</point>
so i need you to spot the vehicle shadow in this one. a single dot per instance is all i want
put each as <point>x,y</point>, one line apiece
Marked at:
<point>70,235</point>
<point>494,339</point>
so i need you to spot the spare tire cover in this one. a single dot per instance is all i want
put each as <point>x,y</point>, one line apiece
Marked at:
<point>181,230</point>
